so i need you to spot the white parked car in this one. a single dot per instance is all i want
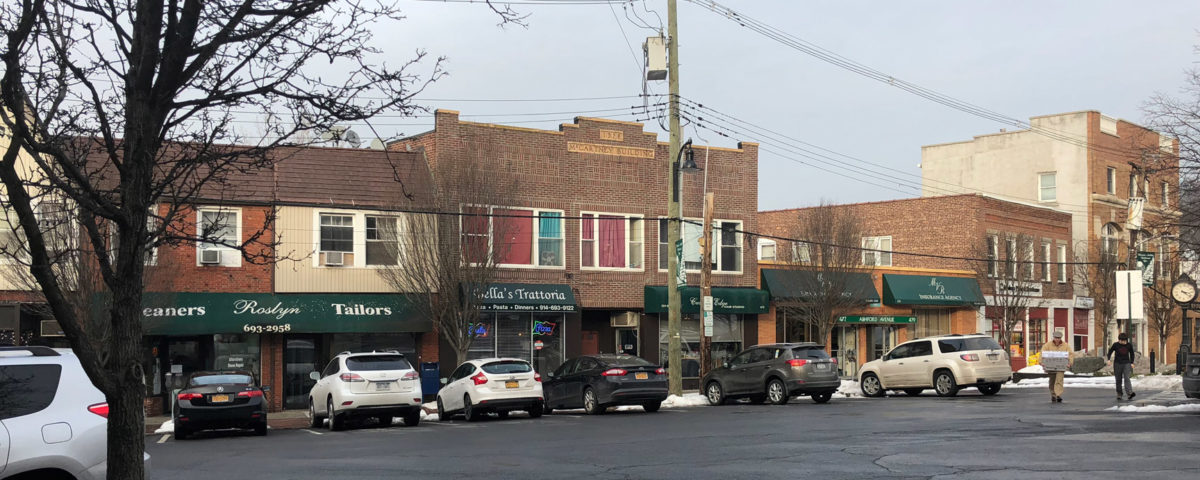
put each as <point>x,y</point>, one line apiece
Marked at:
<point>945,363</point>
<point>53,421</point>
<point>498,385</point>
<point>355,385</point>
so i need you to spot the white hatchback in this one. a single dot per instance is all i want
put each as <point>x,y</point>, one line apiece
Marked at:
<point>374,384</point>
<point>498,385</point>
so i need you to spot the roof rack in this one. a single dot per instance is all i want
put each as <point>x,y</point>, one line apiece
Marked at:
<point>37,351</point>
<point>347,352</point>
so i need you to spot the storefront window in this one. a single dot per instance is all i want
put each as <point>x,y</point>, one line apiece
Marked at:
<point>238,351</point>
<point>726,341</point>
<point>930,322</point>
<point>484,345</point>
<point>536,337</point>
<point>1037,335</point>
<point>547,341</point>
<point>513,337</point>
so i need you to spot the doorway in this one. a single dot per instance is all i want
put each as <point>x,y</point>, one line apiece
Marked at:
<point>299,359</point>
<point>843,343</point>
<point>880,340</point>
<point>627,341</point>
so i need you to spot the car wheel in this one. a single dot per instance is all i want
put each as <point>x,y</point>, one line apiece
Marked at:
<point>944,385</point>
<point>652,406</point>
<point>546,409</point>
<point>470,413</point>
<point>411,419</point>
<point>590,404</point>
<point>714,393</point>
<point>261,429</point>
<point>336,423</point>
<point>912,392</point>
<point>385,421</point>
<point>822,397</point>
<point>536,410</point>
<point>870,385</point>
<point>777,392</point>
<point>181,433</point>
<point>443,415</point>
<point>314,421</point>
<point>990,389</point>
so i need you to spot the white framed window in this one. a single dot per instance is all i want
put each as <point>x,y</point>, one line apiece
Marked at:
<point>877,251</point>
<point>611,241</point>
<point>766,249</point>
<point>1110,239</point>
<point>152,223</point>
<point>1112,180</point>
<point>1046,271</point>
<point>337,233</point>
<point>801,252</point>
<point>1062,264</point>
<point>1010,258</point>
<point>512,237</point>
<point>1047,187</point>
<point>1029,261</point>
<point>1166,195</point>
<point>221,230</point>
<point>993,256</point>
<point>382,242</point>
<point>726,251</point>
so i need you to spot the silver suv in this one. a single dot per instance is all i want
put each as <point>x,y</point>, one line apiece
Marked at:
<point>53,422</point>
<point>945,363</point>
<point>774,373</point>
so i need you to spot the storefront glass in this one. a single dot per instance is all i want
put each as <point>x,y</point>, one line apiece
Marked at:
<point>930,322</point>
<point>726,341</point>
<point>537,337</point>
<point>880,340</point>
<point>843,346</point>
<point>299,359</point>
<point>237,351</point>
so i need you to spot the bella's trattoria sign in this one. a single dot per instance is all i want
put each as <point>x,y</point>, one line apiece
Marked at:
<point>526,297</point>
<point>209,313</point>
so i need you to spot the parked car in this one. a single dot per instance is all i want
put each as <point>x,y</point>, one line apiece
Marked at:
<point>945,363</point>
<point>491,385</point>
<point>224,399</point>
<point>596,382</point>
<point>775,373</point>
<point>362,385</point>
<point>53,421</point>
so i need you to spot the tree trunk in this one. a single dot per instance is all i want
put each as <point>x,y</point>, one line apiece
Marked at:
<point>126,418</point>
<point>460,355</point>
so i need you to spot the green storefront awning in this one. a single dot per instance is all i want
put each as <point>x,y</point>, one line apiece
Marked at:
<point>805,285</point>
<point>930,290</point>
<point>211,313</point>
<point>725,300</point>
<point>527,297</point>
<point>888,319</point>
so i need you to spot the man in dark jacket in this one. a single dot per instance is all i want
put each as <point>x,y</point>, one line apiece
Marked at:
<point>1121,355</point>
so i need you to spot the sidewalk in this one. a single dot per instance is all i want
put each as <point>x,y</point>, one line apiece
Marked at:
<point>287,419</point>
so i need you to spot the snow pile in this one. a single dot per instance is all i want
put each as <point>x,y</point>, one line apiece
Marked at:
<point>1185,408</point>
<point>1032,369</point>
<point>687,400</point>
<point>167,427</point>
<point>849,389</point>
<point>1150,382</point>
<point>1173,383</point>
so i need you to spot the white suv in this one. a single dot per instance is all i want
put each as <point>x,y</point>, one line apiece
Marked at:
<point>53,422</point>
<point>375,384</point>
<point>945,363</point>
<point>498,385</point>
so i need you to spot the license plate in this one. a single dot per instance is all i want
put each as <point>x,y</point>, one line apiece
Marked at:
<point>512,384</point>
<point>641,376</point>
<point>220,398</point>
<point>993,356</point>
<point>822,366</point>
<point>383,385</point>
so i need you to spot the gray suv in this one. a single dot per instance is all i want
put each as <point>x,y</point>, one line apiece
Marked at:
<point>774,373</point>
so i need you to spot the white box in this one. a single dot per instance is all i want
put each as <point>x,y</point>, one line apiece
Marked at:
<point>1055,361</point>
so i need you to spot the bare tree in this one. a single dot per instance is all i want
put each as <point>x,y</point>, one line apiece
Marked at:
<point>120,106</point>
<point>1007,268</point>
<point>449,258</point>
<point>835,285</point>
<point>1096,269</point>
<point>1177,117</point>
<point>1163,316</point>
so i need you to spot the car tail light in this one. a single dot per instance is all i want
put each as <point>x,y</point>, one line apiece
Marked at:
<point>970,357</point>
<point>661,371</point>
<point>614,372</point>
<point>250,393</point>
<point>797,362</point>
<point>190,396</point>
<point>834,360</point>
<point>100,409</point>
<point>479,378</point>
<point>351,377</point>
<point>537,377</point>
<point>412,375</point>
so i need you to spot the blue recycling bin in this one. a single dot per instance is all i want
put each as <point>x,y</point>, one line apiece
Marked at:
<point>430,379</point>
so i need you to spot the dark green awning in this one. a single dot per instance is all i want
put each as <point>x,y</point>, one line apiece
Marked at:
<point>210,313</point>
<point>804,285</point>
<point>725,300</point>
<point>930,290</point>
<point>528,297</point>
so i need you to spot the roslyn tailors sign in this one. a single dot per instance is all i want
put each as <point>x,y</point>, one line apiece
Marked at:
<point>209,313</point>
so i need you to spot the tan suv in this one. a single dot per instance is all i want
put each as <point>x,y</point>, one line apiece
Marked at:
<point>945,363</point>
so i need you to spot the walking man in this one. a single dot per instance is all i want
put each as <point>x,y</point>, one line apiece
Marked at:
<point>1057,372</point>
<point>1120,356</point>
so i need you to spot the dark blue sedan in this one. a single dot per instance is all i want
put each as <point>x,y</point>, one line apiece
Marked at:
<point>597,382</point>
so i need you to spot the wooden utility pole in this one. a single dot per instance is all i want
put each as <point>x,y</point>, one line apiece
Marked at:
<point>674,223</point>
<point>706,304</point>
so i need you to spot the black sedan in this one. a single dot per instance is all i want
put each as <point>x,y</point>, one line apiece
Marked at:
<point>596,382</point>
<point>214,400</point>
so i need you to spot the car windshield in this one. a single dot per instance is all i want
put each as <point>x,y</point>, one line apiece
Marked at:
<point>507,366</point>
<point>949,345</point>
<point>813,353</point>
<point>377,362</point>
<point>222,379</point>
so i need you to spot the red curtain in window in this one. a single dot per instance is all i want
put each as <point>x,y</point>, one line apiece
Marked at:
<point>612,241</point>
<point>475,234</point>
<point>588,234</point>
<point>514,244</point>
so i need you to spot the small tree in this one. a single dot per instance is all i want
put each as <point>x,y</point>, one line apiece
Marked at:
<point>1163,316</point>
<point>1096,269</point>
<point>1006,267</point>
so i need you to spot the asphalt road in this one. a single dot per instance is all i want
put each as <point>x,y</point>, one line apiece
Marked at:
<point>1017,434</point>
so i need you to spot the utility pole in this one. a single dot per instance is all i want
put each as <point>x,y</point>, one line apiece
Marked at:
<point>674,223</point>
<point>706,302</point>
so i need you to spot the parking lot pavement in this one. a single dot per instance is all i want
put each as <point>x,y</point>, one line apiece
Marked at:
<point>1016,434</point>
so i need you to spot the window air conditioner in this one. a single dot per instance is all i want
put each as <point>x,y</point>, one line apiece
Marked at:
<point>335,259</point>
<point>210,257</point>
<point>624,319</point>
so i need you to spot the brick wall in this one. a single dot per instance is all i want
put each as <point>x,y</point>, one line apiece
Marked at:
<point>177,270</point>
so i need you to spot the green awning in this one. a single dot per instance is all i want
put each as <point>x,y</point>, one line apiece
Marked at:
<point>528,297</point>
<point>930,290</point>
<point>211,313</point>
<point>888,319</point>
<point>805,285</point>
<point>725,300</point>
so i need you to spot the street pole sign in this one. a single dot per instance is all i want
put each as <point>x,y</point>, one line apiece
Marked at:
<point>680,272</point>
<point>1129,295</point>
<point>1145,263</point>
<point>708,315</point>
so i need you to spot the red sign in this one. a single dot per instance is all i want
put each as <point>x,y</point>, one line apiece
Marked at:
<point>538,345</point>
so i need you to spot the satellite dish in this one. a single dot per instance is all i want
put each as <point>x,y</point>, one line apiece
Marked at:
<point>377,144</point>
<point>351,138</point>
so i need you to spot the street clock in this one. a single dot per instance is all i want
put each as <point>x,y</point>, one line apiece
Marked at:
<point>1184,289</point>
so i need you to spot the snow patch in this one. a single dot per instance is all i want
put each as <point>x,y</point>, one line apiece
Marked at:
<point>687,400</point>
<point>1185,408</point>
<point>1032,369</point>
<point>167,427</point>
<point>1149,382</point>
<point>848,389</point>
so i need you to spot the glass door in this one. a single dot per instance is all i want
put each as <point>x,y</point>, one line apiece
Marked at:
<point>627,341</point>
<point>843,344</point>
<point>299,359</point>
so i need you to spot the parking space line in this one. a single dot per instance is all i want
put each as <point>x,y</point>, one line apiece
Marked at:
<point>164,438</point>
<point>314,432</point>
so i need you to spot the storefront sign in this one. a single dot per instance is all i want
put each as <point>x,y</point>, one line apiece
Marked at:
<point>615,150</point>
<point>210,313</point>
<point>725,299</point>
<point>1085,302</point>
<point>543,328</point>
<point>481,329</point>
<point>805,285</point>
<point>894,319</point>
<point>527,297</point>
<point>537,345</point>
<point>1014,288</point>
<point>930,290</point>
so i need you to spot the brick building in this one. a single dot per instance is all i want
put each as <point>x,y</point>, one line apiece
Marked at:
<point>950,229</point>
<point>599,191</point>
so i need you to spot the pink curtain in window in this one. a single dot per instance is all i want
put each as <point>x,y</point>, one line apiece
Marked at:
<point>588,234</point>
<point>612,241</point>
<point>514,245</point>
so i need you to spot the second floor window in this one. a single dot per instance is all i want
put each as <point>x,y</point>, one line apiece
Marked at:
<point>513,236</point>
<point>611,241</point>
<point>1112,181</point>
<point>382,242</point>
<point>1062,264</point>
<point>1010,258</point>
<point>766,249</point>
<point>1166,197</point>
<point>993,253</point>
<point>219,229</point>
<point>877,251</point>
<point>337,233</point>
<point>726,242</point>
<point>1047,187</point>
<point>1046,272</point>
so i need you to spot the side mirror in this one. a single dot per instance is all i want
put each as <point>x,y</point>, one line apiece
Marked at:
<point>445,381</point>
<point>314,375</point>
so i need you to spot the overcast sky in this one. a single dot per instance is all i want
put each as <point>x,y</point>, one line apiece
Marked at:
<point>1018,58</point>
